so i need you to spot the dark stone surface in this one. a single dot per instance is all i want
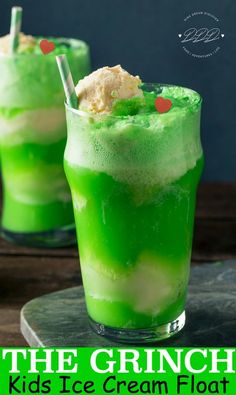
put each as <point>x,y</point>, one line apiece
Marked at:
<point>60,318</point>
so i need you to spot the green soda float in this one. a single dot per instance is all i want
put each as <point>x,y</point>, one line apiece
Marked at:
<point>133,167</point>
<point>37,207</point>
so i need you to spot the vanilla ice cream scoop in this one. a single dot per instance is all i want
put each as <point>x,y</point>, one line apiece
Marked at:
<point>26,43</point>
<point>98,91</point>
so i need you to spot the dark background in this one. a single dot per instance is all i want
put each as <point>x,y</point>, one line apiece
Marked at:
<point>142,35</point>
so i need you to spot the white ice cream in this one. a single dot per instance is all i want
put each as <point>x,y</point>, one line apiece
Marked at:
<point>32,186</point>
<point>97,91</point>
<point>42,126</point>
<point>149,287</point>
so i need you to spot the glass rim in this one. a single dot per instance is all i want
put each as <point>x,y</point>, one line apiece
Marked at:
<point>87,114</point>
<point>75,45</point>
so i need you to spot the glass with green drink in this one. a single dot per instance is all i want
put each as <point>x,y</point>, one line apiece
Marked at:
<point>37,207</point>
<point>133,161</point>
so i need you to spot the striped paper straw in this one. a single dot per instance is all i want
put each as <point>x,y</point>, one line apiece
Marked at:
<point>16,20</point>
<point>67,81</point>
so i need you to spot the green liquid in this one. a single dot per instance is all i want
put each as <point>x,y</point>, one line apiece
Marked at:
<point>119,239</point>
<point>133,182</point>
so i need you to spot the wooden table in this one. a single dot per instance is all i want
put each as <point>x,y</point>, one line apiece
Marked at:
<point>26,273</point>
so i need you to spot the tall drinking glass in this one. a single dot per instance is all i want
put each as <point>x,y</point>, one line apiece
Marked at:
<point>133,180</point>
<point>37,207</point>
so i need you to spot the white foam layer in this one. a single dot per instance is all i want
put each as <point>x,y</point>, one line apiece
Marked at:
<point>42,126</point>
<point>143,150</point>
<point>149,287</point>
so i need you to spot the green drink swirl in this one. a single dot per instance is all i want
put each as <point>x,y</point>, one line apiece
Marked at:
<point>32,140</point>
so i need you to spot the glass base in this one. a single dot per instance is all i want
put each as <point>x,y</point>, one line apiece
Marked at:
<point>61,237</point>
<point>136,336</point>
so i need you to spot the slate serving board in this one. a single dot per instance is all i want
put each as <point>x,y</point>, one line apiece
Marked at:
<point>59,319</point>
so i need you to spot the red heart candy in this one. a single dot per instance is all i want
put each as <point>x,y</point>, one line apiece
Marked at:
<point>163,105</point>
<point>46,46</point>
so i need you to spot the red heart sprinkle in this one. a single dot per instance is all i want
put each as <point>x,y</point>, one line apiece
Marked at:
<point>163,105</point>
<point>46,46</point>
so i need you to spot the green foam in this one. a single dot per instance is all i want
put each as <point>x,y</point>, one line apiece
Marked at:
<point>144,148</point>
<point>181,98</point>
